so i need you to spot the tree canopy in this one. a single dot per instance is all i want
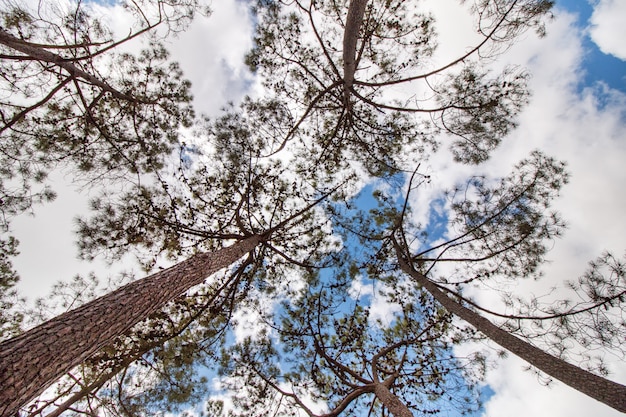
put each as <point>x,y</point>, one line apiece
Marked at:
<point>75,94</point>
<point>321,168</point>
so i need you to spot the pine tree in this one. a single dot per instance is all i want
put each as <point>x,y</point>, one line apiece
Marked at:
<point>32,361</point>
<point>72,97</point>
<point>268,209</point>
<point>328,346</point>
<point>597,387</point>
<point>503,233</point>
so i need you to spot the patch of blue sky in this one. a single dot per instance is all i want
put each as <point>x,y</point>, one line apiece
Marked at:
<point>188,154</point>
<point>597,66</point>
<point>485,394</point>
<point>365,198</point>
<point>362,202</point>
<point>437,227</point>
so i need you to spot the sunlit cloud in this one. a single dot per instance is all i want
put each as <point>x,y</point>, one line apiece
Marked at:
<point>608,27</point>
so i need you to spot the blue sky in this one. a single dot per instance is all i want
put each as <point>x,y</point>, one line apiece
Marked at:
<point>597,65</point>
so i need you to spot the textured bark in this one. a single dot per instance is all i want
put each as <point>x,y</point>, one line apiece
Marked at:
<point>354,20</point>
<point>32,361</point>
<point>606,391</point>
<point>392,402</point>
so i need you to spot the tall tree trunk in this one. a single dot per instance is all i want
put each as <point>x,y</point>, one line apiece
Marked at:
<point>32,361</point>
<point>606,391</point>
<point>356,11</point>
<point>391,401</point>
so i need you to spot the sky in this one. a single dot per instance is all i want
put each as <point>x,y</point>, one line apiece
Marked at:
<point>577,113</point>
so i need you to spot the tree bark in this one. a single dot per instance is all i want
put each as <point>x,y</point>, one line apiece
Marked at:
<point>356,11</point>
<point>391,401</point>
<point>606,391</point>
<point>32,361</point>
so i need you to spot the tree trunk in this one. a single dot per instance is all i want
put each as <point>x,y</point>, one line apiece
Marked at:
<point>350,37</point>
<point>602,389</point>
<point>391,401</point>
<point>32,361</point>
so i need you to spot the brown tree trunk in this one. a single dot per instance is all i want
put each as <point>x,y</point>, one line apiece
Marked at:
<point>606,391</point>
<point>356,11</point>
<point>391,401</point>
<point>32,361</point>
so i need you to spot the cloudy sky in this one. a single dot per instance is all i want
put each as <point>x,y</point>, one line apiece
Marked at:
<point>577,113</point>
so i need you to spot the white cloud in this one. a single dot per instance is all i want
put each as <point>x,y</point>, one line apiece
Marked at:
<point>573,127</point>
<point>247,324</point>
<point>211,53</point>
<point>359,289</point>
<point>48,253</point>
<point>608,27</point>
<point>520,393</point>
<point>382,309</point>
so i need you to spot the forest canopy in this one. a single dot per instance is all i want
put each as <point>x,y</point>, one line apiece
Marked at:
<point>318,265</point>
